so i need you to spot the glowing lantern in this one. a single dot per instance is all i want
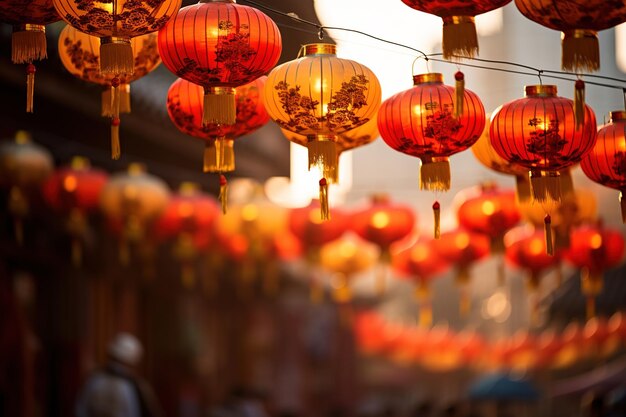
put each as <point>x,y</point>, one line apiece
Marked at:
<point>594,249</point>
<point>80,55</point>
<point>569,349</point>
<point>29,35</point>
<point>421,263</point>
<point>423,122</point>
<point>74,191</point>
<point>132,201</point>
<point>522,353</point>
<point>606,163</point>
<point>579,23</point>
<point>383,223</point>
<point>459,30</point>
<point>189,217</point>
<point>115,23</point>
<point>24,166</point>
<point>220,45</point>
<point>321,96</point>
<point>462,248</point>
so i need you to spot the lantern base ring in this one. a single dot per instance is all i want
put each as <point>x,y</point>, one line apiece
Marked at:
<point>28,43</point>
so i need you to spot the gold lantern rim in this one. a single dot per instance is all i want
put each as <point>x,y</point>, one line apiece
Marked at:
<point>540,90</point>
<point>428,78</point>
<point>617,115</point>
<point>320,49</point>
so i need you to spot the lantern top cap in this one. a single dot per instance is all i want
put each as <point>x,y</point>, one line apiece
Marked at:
<point>188,188</point>
<point>380,198</point>
<point>428,78</point>
<point>540,90</point>
<point>320,48</point>
<point>136,168</point>
<point>79,163</point>
<point>618,115</point>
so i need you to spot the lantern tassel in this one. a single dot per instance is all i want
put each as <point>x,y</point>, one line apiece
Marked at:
<point>210,157</point>
<point>124,97</point>
<point>459,37</point>
<point>522,189</point>
<point>30,87</point>
<point>223,196</point>
<point>459,93</point>
<point>28,43</point>
<point>323,154</point>
<point>437,215</point>
<point>77,253</point>
<point>115,138</point>
<point>219,107</point>
<point>435,175</point>
<point>580,51</point>
<point>546,186</point>
<point>213,162</point>
<point>381,274</point>
<point>547,227</point>
<point>579,104</point>
<point>107,100</point>
<point>622,202</point>
<point>566,183</point>
<point>116,56</point>
<point>324,210</point>
<point>422,295</point>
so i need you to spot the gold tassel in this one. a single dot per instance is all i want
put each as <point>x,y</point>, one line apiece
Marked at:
<point>116,56</point>
<point>547,227</point>
<point>566,183</point>
<point>324,210</point>
<point>30,87</point>
<point>212,149</point>
<point>546,186</point>
<point>462,280</point>
<point>107,100</point>
<point>124,92</point>
<point>28,43</point>
<point>435,175</point>
<point>437,215</point>
<point>223,196</point>
<point>219,106</point>
<point>579,104</point>
<point>323,154</point>
<point>422,295</point>
<point>522,188</point>
<point>622,203</point>
<point>210,157</point>
<point>115,138</point>
<point>459,37</point>
<point>580,51</point>
<point>384,261</point>
<point>77,253</point>
<point>459,94</point>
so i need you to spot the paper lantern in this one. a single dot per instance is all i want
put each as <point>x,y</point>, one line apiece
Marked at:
<point>80,55</point>
<point>606,163</point>
<point>459,31</point>
<point>24,166</point>
<point>74,192</point>
<point>423,122</point>
<point>383,223</point>
<point>462,248</point>
<point>321,96</point>
<point>220,45</point>
<point>579,21</point>
<point>594,249</point>
<point>115,23</point>
<point>29,35</point>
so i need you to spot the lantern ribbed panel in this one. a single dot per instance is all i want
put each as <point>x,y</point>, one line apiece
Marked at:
<point>220,44</point>
<point>37,12</point>
<point>487,155</point>
<point>566,15</point>
<point>606,163</point>
<point>443,8</point>
<point>383,222</point>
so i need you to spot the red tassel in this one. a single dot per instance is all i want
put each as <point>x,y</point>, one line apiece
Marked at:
<point>223,197</point>
<point>437,214</point>
<point>547,224</point>
<point>30,87</point>
<point>459,93</point>
<point>324,211</point>
<point>579,104</point>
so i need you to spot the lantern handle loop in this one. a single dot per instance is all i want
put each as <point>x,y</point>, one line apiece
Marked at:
<point>320,33</point>
<point>425,58</point>
<point>300,51</point>
<point>539,73</point>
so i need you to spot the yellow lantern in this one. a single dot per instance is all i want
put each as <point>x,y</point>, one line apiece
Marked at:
<point>321,96</point>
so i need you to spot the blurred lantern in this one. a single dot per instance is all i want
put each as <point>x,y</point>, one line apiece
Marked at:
<point>74,191</point>
<point>462,248</point>
<point>422,264</point>
<point>429,122</point>
<point>521,353</point>
<point>307,226</point>
<point>115,23</point>
<point>606,163</point>
<point>132,201</point>
<point>345,258</point>
<point>459,31</point>
<point>383,223</point>
<point>443,350</point>
<point>598,339</point>
<point>579,21</point>
<point>486,155</point>
<point>569,348</point>
<point>24,166</point>
<point>321,96</point>
<point>220,45</point>
<point>29,35</point>
<point>189,217</point>
<point>526,249</point>
<point>80,55</point>
<point>594,249</point>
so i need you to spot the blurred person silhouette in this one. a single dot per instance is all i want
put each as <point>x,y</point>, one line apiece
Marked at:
<point>423,409</point>
<point>115,390</point>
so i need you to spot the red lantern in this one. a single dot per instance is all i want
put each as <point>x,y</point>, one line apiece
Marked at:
<point>220,45</point>
<point>29,35</point>
<point>423,122</point>
<point>579,21</point>
<point>462,248</point>
<point>459,31</point>
<point>74,191</point>
<point>422,263</point>
<point>606,163</point>
<point>383,223</point>
<point>594,249</point>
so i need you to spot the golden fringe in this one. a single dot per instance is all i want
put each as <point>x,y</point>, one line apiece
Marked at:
<point>210,157</point>
<point>437,220</point>
<point>546,187</point>
<point>223,196</point>
<point>435,175</point>
<point>579,104</point>
<point>522,189</point>
<point>28,46</point>
<point>324,210</point>
<point>547,227</point>
<point>384,260</point>
<point>219,109</point>
<point>459,94</point>
<point>116,58</point>
<point>124,92</point>
<point>30,87</point>
<point>580,53</point>
<point>622,203</point>
<point>115,99</point>
<point>106,101</point>
<point>459,40</point>
<point>323,154</point>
